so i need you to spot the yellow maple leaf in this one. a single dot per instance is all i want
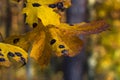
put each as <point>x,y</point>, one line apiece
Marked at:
<point>31,14</point>
<point>12,55</point>
<point>48,16</point>
<point>64,39</point>
<point>44,13</point>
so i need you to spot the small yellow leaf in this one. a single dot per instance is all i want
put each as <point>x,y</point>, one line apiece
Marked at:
<point>31,14</point>
<point>48,16</point>
<point>44,13</point>
<point>10,54</point>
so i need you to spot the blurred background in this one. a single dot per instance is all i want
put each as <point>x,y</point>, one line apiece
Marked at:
<point>100,57</point>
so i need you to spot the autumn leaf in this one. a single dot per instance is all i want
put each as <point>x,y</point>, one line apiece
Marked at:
<point>48,16</point>
<point>64,39</point>
<point>44,13</point>
<point>31,14</point>
<point>11,55</point>
<point>61,40</point>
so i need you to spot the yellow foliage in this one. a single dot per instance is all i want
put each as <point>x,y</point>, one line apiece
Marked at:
<point>61,40</point>
<point>31,13</point>
<point>48,16</point>
<point>50,36</point>
<point>44,13</point>
<point>40,9</point>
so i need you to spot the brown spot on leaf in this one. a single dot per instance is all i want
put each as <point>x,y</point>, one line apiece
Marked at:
<point>52,41</point>
<point>36,5</point>
<point>18,54</point>
<point>61,46</point>
<point>2,59</point>
<point>1,54</point>
<point>34,25</point>
<point>11,54</point>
